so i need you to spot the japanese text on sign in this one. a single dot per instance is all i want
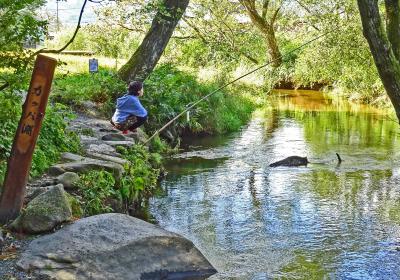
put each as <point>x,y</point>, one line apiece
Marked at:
<point>32,104</point>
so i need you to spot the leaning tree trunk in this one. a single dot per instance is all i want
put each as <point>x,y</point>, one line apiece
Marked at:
<point>382,48</point>
<point>149,52</point>
<point>273,48</point>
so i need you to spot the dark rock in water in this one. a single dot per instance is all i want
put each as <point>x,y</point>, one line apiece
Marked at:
<point>291,161</point>
<point>1,239</point>
<point>114,246</point>
<point>339,158</point>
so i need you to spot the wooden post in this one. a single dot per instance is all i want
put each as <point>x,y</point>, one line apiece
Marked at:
<point>20,160</point>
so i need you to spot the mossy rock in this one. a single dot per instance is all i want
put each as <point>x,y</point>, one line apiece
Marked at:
<point>44,212</point>
<point>69,180</point>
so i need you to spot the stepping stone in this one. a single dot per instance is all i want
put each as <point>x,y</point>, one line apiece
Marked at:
<point>65,157</point>
<point>108,130</point>
<point>138,136</point>
<point>87,165</point>
<point>102,149</point>
<point>108,158</point>
<point>113,137</point>
<point>120,143</point>
<point>87,139</point>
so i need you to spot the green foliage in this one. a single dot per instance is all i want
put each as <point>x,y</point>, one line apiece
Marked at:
<point>342,58</point>
<point>96,188</point>
<point>103,39</point>
<point>53,138</point>
<point>19,24</point>
<point>79,87</point>
<point>75,204</point>
<point>141,174</point>
<point>99,189</point>
<point>158,145</point>
<point>168,91</point>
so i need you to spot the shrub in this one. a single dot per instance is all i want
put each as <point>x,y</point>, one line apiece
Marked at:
<point>53,138</point>
<point>141,174</point>
<point>97,87</point>
<point>96,188</point>
<point>168,91</point>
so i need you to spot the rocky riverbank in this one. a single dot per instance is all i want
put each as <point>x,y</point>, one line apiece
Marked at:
<point>51,206</point>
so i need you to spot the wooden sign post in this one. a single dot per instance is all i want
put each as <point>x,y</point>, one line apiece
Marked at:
<point>20,160</point>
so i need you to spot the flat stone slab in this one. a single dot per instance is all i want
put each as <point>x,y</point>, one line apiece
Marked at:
<point>107,158</point>
<point>120,143</point>
<point>66,157</point>
<point>114,246</point>
<point>113,137</point>
<point>86,166</point>
<point>102,149</point>
<point>110,130</point>
<point>85,138</point>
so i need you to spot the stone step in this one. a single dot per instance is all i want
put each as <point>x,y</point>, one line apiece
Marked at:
<point>114,137</point>
<point>119,143</point>
<point>102,149</point>
<point>67,157</point>
<point>107,158</point>
<point>87,165</point>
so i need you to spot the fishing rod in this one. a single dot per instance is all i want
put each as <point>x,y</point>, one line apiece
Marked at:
<point>231,82</point>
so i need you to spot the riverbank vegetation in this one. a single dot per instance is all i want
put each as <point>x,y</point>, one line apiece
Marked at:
<point>55,138</point>
<point>182,50</point>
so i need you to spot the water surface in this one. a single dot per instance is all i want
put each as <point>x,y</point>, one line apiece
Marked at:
<point>323,221</point>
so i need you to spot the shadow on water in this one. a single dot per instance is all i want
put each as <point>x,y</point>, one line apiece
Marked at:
<point>324,221</point>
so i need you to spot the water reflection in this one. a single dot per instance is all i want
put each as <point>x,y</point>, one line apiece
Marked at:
<point>323,221</point>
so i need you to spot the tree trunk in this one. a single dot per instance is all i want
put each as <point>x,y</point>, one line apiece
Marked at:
<point>266,27</point>
<point>382,50</point>
<point>149,52</point>
<point>273,48</point>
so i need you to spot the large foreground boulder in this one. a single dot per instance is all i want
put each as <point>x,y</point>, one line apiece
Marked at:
<point>114,246</point>
<point>44,212</point>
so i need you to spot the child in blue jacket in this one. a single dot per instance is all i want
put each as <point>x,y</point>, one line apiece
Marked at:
<point>130,114</point>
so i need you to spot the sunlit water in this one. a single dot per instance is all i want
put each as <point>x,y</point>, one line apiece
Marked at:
<point>323,221</point>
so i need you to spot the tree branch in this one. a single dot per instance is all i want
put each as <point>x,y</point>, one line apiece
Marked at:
<point>275,15</point>
<point>233,41</point>
<point>254,15</point>
<point>304,6</point>
<point>199,33</point>
<point>184,37</point>
<point>4,86</point>
<point>130,28</point>
<point>265,9</point>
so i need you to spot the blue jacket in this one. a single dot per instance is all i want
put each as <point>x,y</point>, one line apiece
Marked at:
<point>127,106</point>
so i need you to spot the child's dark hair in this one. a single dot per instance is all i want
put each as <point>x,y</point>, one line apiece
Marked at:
<point>134,88</point>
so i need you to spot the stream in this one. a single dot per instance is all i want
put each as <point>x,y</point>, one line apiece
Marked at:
<point>323,221</point>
